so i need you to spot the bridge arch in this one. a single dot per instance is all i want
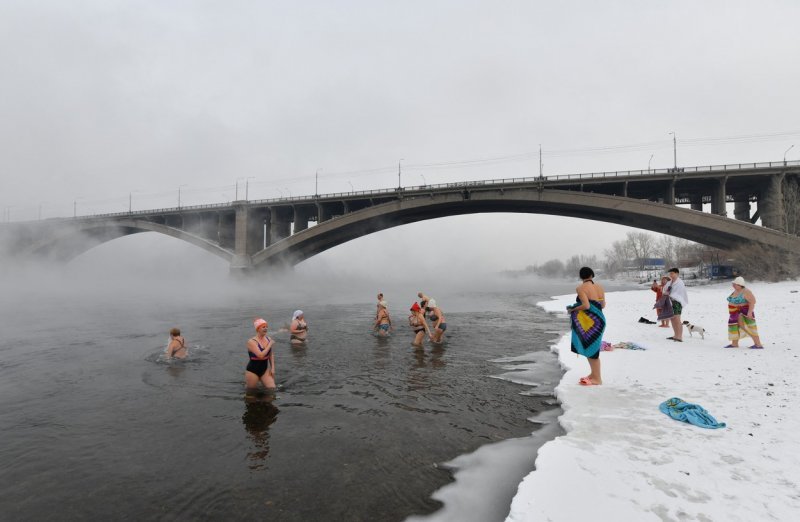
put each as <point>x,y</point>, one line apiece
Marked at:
<point>709,229</point>
<point>66,243</point>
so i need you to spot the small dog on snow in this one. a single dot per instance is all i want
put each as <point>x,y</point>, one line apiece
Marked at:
<point>693,328</point>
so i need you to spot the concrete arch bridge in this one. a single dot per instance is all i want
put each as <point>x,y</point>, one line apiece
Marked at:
<point>260,234</point>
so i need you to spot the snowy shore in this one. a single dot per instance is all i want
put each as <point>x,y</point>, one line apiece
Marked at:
<point>622,459</point>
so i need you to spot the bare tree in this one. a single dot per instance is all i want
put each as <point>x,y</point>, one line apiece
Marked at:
<point>641,245</point>
<point>791,204</point>
<point>575,263</point>
<point>551,268</point>
<point>665,248</point>
<point>616,257</point>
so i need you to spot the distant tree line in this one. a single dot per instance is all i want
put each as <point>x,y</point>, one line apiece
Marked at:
<point>640,248</point>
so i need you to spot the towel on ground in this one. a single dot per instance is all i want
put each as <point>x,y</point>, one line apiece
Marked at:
<point>684,411</point>
<point>627,345</point>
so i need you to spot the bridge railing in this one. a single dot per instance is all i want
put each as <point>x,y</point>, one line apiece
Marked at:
<point>730,167</point>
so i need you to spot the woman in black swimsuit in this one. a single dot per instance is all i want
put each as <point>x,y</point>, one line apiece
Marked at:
<point>418,323</point>
<point>261,367</point>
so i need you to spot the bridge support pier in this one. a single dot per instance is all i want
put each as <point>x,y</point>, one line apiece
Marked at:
<point>301,216</point>
<point>280,224</point>
<point>741,206</point>
<point>696,201</point>
<point>718,198</point>
<point>770,204</point>
<point>323,213</point>
<point>255,229</point>
<point>241,258</point>
<point>669,196</point>
<point>226,230</point>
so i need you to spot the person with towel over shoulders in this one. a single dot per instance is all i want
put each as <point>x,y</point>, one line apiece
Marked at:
<point>676,290</point>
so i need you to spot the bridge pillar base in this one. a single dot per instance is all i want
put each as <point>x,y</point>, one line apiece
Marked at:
<point>241,265</point>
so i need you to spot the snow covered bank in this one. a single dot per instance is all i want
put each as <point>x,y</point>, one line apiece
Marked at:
<point>622,459</point>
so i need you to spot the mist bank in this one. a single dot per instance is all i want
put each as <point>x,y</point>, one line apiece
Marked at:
<point>159,269</point>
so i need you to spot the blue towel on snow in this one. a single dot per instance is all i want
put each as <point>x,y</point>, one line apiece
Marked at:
<point>681,410</point>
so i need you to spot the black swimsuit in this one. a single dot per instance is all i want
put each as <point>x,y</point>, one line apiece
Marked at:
<point>414,322</point>
<point>258,366</point>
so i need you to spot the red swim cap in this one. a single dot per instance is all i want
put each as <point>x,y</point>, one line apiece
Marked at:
<point>415,307</point>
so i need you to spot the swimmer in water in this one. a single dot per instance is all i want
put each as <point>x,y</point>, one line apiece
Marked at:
<point>439,323</point>
<point>261,367</point>
<point>298,329</point>
<point>418,324</point>
<point>177,345</point>
<point>383,323</point>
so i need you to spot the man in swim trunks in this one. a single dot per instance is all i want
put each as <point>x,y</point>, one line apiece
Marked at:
<point>261,367</point>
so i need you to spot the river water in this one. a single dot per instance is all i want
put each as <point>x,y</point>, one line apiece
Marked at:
<point>96,425</point>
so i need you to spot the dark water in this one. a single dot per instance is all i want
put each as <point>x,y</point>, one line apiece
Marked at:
<point>96,426</point>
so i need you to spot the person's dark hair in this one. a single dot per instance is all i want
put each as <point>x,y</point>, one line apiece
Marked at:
<point>674,270</point>
<point>586,273</point>
<point>175,332</point>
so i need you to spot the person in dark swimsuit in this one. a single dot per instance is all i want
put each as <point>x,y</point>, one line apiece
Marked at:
<point>439,323</point>
<point>177,345</point>
<point>418,324</point>
<point>298,329</point>
<point>261,367</point>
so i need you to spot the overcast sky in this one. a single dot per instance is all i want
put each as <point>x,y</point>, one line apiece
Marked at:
<point>102,101</point>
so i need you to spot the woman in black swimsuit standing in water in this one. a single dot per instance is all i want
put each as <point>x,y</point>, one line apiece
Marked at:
<point>262,359</point>
<point>418,324</point>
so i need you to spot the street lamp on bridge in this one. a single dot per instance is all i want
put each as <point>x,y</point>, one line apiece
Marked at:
<point>130,201</point>
<point>179,194</point>
<point>675,149</point>
<point>247,187</point>
<point>316,183</point>
<point>648,163</point>
<point>399,171</point>
<point>784,154</point>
